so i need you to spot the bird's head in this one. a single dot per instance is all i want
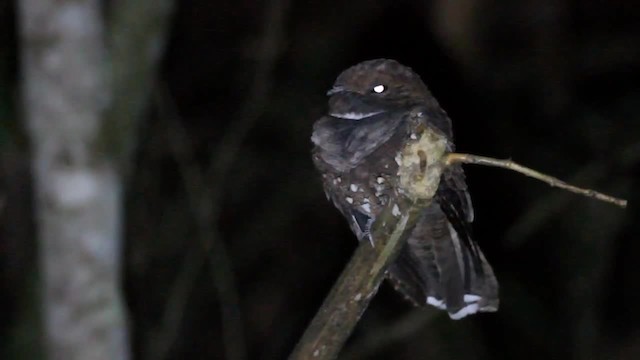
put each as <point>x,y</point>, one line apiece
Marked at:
<point>374,87</point>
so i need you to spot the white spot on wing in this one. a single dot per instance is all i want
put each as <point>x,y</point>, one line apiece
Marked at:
<point>366,207</point>
<point>380,180</point>
<point>414,136</point>
<point>471,307</point>
<point>379,89</point>
<point>349,199</point>
<point>396,211</point>
<point>353,187</point>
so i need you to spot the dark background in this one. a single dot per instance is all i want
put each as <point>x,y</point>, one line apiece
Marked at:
<point>551,84</point>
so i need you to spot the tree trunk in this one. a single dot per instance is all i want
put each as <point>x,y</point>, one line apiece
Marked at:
<point>78,191</point>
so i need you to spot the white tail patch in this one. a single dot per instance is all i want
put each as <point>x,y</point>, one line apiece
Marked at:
<point>436,302</point>
<point>467,310</point>
<point>469,298</point>
<point>471,307</point>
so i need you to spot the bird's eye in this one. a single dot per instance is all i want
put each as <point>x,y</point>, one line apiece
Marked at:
<point>379,89</point>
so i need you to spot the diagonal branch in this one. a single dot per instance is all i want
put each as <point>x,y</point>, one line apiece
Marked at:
<point>555,182</point>
<point>355,287</point>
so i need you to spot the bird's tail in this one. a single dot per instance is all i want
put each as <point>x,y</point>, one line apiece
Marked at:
<point>437,268</point>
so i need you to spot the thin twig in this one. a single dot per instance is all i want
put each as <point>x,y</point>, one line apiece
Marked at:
<point>549,206</point>
<point>251,109</point>
<point>160,345</point>
<point>214,177</point>
<point>358,283</point>
<point>555,182</point>
<point>223,278</point>
<point>205,189</point>
<point>206,201</point>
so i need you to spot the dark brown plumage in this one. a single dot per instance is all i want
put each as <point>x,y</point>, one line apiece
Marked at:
<point>356,148</point>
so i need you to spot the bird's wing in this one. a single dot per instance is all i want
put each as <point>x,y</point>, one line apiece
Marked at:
<point>344,144</point>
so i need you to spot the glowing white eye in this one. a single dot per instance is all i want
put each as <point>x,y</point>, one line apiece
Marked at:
<point>379,89</point>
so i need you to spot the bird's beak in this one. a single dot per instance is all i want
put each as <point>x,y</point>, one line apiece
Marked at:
<point>335,90</point>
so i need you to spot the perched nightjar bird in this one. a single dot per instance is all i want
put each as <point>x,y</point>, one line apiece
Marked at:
<point>356,149</point>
